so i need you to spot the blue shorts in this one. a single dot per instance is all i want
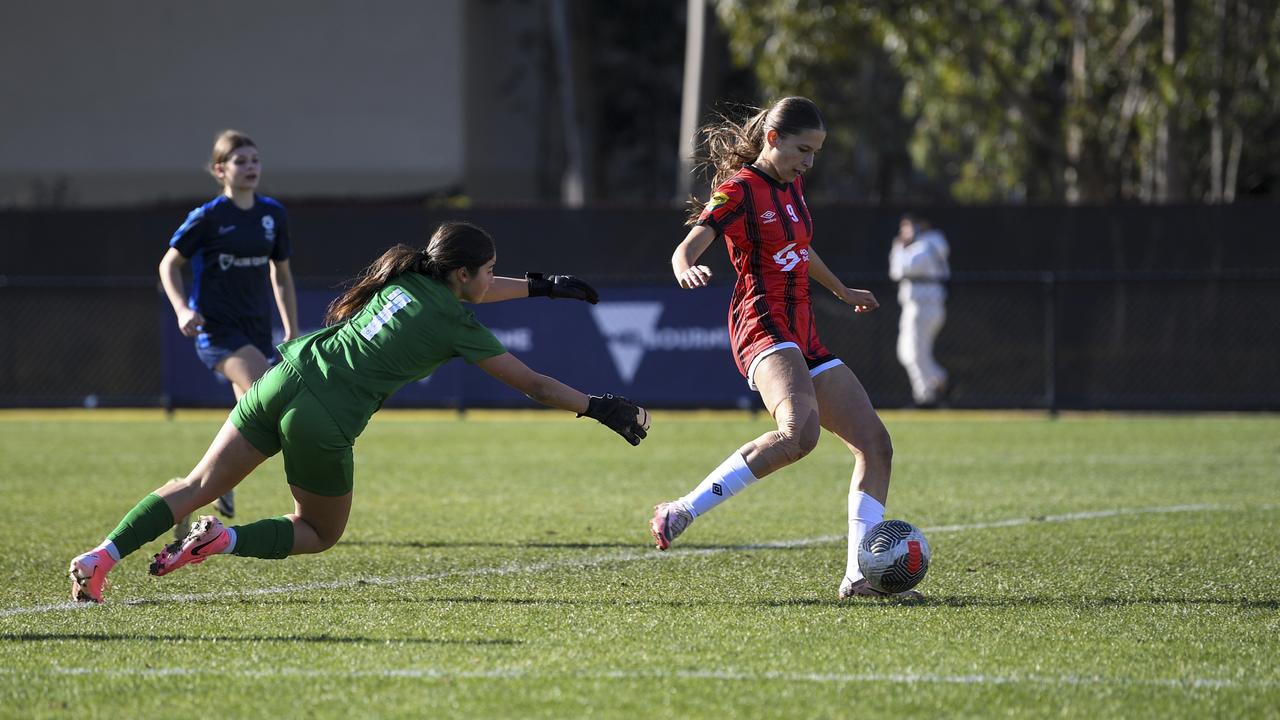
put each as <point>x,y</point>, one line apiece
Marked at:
<point>219,342</point>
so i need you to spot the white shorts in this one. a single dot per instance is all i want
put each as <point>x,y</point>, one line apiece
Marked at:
<point>814,371</point>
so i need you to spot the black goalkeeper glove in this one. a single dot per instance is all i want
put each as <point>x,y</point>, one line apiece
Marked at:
<point>620,415</point>
<point>561,286</point>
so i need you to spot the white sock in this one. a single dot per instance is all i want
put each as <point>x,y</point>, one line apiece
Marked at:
<point>110,547</point>
<point>231,533</point>
<point>864,512</point>
<point>731,478</point>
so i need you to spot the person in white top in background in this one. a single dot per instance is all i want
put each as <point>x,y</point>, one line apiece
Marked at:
<point>918,262</point>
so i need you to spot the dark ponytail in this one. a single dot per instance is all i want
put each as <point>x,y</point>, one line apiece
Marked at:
<point>399,259</point>
<point>453,245</point>
<point>730,145</point>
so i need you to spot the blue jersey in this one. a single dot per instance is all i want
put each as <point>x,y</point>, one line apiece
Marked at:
<point>229,250</point>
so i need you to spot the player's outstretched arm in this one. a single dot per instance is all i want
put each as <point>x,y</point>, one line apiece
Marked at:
<point>861,300</point>
<point>617,413</point>
<point>539,285</point>
<point>561,286</point>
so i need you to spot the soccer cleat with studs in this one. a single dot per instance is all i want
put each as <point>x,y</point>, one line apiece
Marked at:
<point>207,537</point>
<point>88,574</point>
<point>862,588</point>
<point>669,520</point>
<point>226,504</point>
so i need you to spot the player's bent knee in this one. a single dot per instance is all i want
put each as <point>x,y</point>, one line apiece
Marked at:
<point>808,436</point>
<point>796,440</point>
<point>328,539</point>
<point>789,449</point>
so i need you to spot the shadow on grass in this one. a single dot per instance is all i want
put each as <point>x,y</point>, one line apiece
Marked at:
<point>322,639</point>
<point>564,602</point>
<point>435,545</point>
<point>423,545</point>
<point>952,601</point>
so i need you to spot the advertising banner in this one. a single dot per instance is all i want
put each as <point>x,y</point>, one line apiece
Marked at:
<point>659,346</point>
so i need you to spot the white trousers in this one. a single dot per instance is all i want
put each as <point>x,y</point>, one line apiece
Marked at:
<point>917,329</point>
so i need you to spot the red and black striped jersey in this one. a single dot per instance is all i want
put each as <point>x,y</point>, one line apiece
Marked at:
<point>767,228</point>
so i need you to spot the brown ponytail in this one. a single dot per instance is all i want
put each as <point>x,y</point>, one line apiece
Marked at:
<point>399,259</point>
<point>453,245</point>
<point>730,145</point>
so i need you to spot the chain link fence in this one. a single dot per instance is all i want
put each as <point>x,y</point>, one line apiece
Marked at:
<point>1122,341</point>
<point>69,342</point>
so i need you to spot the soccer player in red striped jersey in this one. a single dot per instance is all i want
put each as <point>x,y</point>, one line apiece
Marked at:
<point>758,207</point>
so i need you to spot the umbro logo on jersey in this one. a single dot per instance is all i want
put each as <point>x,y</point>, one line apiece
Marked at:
<point>224,229</point>
<point>768,216</point>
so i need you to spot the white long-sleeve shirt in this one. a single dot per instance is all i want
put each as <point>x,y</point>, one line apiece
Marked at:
<point>921,267</point>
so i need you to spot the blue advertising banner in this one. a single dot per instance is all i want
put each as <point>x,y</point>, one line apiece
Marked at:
<point>659,346</point>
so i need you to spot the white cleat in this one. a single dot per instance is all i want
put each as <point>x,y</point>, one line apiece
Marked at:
<point>226,504</point>
<point>862,588</point>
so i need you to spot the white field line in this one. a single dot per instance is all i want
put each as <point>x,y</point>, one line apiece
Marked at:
<point>421,673</point>
<point>627,556</point>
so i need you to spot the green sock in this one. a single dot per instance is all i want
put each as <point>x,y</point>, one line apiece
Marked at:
<point>270,539</point>
<point>148,520</point>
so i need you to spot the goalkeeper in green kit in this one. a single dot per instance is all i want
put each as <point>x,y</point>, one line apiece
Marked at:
<point>399,321</point>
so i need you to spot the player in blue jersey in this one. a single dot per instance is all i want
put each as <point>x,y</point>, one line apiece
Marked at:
<point>400,321</point>
<point>238,246</point>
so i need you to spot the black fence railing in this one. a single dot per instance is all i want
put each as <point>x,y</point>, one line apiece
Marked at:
<point>1114,340</point>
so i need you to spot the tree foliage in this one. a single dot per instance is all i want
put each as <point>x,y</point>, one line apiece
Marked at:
<point>1040,100</point>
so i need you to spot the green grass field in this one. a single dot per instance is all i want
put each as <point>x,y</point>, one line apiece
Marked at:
<point>499,566</point>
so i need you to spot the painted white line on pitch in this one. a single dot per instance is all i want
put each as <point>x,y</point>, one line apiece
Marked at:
<point>419,673</point>
<point>1015,522</point>
<point>628,556</point>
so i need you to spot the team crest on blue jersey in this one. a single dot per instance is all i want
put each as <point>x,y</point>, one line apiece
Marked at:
<point>269,227</point>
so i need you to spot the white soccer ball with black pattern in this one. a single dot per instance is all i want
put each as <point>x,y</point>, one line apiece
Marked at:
<point>894,556</point>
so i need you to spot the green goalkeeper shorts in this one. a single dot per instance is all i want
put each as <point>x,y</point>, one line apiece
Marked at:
<point>279,414</point>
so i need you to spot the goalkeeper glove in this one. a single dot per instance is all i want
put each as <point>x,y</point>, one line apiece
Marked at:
<point>620,415</point>
<point>560,286</point>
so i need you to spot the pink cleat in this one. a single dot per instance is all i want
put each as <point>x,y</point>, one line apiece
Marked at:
<point>88,574</point>
<point>207,537</point>
<point>669,520</point>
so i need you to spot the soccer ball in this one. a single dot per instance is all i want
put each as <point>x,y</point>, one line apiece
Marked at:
<point>894,556</point>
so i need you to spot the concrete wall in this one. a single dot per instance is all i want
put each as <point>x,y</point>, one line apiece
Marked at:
<point>118,103</point>
<point>513,137</point>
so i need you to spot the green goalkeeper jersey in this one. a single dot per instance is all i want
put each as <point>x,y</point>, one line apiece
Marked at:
<point>406,331</point>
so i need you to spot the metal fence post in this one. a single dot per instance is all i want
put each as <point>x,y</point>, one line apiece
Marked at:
<point>1049,284</point>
